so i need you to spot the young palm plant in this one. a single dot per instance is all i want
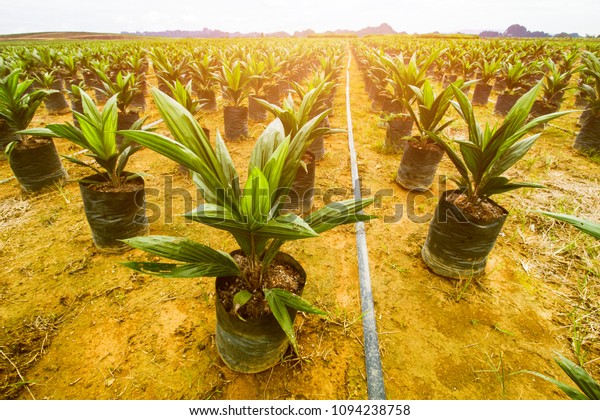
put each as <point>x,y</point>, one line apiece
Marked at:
<point>422,154</point>
<point>234,79</point>
<point>183,95</point>
<point>55,102</point>
<point>488,70</point>
<point>401,76</point>
<point>514,80</point>
<point>125,87</point>
<point>202,71</point>
<point>554,85</point>
<point>34,161</point>
<point>258,77</point>
<point>113,199</point>
<point>321,88</point>
<point>97,135</point>
<point>588,138</point>
<point>253,216</point>
<point>466,221</point>
<point>302,191</point>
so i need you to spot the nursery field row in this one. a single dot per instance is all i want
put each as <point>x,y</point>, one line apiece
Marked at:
<point>88,316</point>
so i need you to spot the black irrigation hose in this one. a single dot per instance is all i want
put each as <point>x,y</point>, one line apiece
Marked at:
<point>375,385</point>
<point>146,127</point>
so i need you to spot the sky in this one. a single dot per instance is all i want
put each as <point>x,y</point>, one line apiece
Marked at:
<point>412,16</point>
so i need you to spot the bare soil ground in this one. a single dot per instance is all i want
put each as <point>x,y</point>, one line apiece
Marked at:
<point>75,324</point>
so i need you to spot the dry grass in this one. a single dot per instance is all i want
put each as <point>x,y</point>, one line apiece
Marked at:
<point>24,344</point>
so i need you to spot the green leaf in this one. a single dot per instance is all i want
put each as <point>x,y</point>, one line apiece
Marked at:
<point>279,300</point>
<point>266,144</point>
<point>255,203</point>
<point>240,299</point>
<point>456,160</point>
<point>338,213</point>
<point>589,227</point>
<point>213,171</point>
<point>274,168</point>
<point>80,162</point>
<point>583,379</point>
<point>180,249</point>
<point>282,316</point>
<point>169,271</point>
<point>182,125</point>
<point>222,218</point>
<point>494,187</point>
<point>512,155</point>
<point>294,301</point>
<point>286,227</point>
<point>572,392</point>
<point>222,155</point>
<point>169,148</point>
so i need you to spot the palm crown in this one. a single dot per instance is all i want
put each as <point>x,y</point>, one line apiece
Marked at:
<point>17,107</point>
<point>98,135</point>
<point>488,153</point>
<point>252,215</point>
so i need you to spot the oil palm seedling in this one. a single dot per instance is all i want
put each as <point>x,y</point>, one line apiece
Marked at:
<point>568,60</point>
<point>55,102</point>
<point>124,88</point>
<point>451,66</point>
<point>276,81</point>
<point>302,191</point>
<point>95,81</point>
<point>33,160</point>
<point>588,138</point>
<point>183,95</point>
<point>45,59</point>
<point>422,154</point>
<point>70,67</point>
<point>488,70</point>
<point>514,79</point>
<point>467,68</point>
<point>401,76</point>
<point>234,78</point>
<point>320,84</point>
<point>167,70</point>
<point>113,199</point>
<point>330,65</point>
<point>554,85</point>
<point>258,76</point>
<point>137,63</point>
<point>202,71</point>
<point>466,221</point>
<point>248,284</point>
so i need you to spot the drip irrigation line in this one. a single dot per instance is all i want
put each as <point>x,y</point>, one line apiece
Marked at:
<point>146,127</point>
<point>375,385</point>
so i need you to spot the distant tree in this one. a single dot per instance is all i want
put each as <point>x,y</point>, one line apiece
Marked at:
<point>517,31</point>
<point>490,34</point>
<point>539,34</point>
